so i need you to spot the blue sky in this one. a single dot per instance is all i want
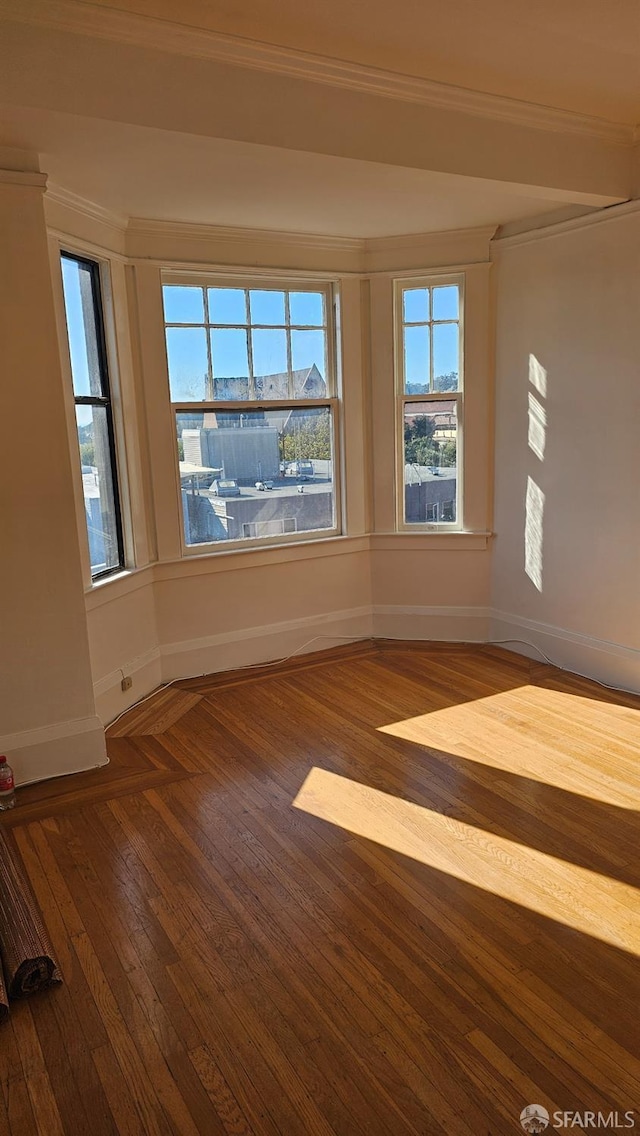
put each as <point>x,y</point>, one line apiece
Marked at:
<point>77,337</point>
<point>187,346</point>
<point>421,305</point>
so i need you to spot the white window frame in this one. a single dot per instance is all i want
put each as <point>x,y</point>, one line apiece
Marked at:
<point>332,400</point>
<point>400,285</point>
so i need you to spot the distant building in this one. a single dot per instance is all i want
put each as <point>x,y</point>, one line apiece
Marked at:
<point>240,450</point>
<point>441,414</point>
<point>430,497</point>
<point>305,383</point>
<point>211,518</point>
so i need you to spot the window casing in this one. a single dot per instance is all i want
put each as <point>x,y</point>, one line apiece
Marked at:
<point>94,413</point>
<point>252,383</point>
<point>429,402</point>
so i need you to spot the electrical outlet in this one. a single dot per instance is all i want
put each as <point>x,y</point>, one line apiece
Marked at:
<point>127,682</point>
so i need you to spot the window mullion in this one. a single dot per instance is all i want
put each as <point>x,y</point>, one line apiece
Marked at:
<point>252,378</point>
<point>210,384</point>
<point>272,458</point>
<point>287,320</point>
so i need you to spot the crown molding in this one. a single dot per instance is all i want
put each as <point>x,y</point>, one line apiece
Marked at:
<point>82,205</point>
<point>598,217</point>
<point>230,235</point>
<point>24,177</point>
<point>165,35</point>
<point>444,236</point>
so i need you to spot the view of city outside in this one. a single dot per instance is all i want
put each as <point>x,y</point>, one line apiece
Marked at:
<point>81,298</point>
<point>249,474</point>
<point>256,474</point>
<point>431,360</point>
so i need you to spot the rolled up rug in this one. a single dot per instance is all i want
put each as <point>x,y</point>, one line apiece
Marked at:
<point>4,998</point>
<point>26,954</point>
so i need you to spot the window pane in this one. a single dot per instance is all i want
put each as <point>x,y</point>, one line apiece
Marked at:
<point>227,305</point>
<point>230,363</point>
<point>267,307</point>
<point>306,308</point>
<point>188,363</point>
<point>97,482</point>
<point>430,465</point>
<point>255,474</point>
<point>445,303</point>
<point>415,305</point>
<point>446,339</point>
<point>269,357</point>
<point>183,305</point>
<point>78,287</point>
<point>416,360</point>
<point>308,363</point>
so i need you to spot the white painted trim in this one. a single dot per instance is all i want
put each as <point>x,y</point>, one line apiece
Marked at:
<point>87,208</point>
<point>443,610</point>
<point>436,624</point>
<point>56,750</point>
<point>239,559</point>
<point>430,541</point>
<point>203,232</point>
<point>254,646</point>
<point>305,623</point>
<point>48,733</point>
<point>24,177</point>
<point>600,659</point>
<point>113,588</point>
<point>574,637</point>
<point>146,672</point>
<point>201,43</point>
<point>128,669</point>
<point>597,217</point>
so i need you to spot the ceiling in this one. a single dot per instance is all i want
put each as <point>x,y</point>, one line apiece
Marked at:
<point>167,135</point>
<point>161,175</point>
<point>579,55</point>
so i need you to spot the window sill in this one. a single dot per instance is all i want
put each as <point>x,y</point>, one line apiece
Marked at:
<point>124,583</point>
<point>432,540</point>
<point>111,588</point>
<point>238,558</point>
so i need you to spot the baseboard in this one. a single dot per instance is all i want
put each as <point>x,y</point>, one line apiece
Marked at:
<point>600,659</point>
<point>440,624</point>
<point>54,751</point>
<point>608,662</point>
<point>146,674</point>
<point>263,644</point>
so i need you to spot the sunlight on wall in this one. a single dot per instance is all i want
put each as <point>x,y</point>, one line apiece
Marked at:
<point>533,533</point>
<point>494,725</point>
<point>537,426</point>
<point>537,376</point>
<point>574,896</point>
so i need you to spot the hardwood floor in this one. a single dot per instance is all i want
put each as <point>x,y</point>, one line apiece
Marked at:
<point>385,889</point>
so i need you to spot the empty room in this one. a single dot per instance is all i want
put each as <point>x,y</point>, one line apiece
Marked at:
<point>320,632</point>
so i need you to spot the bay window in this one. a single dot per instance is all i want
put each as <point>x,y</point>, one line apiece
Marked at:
<point>252,384</point>
<point>429,380</point>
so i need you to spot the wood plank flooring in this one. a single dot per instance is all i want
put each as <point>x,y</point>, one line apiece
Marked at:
<point>382,890</point>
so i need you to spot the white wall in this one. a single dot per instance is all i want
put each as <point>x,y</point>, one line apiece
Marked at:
<point>168,616</point>
<point>47,711</point>
<point>569,298</point>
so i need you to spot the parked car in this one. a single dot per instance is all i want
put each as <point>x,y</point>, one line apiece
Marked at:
<point>225,487</point>
<point>301,469</point>
<point>266,483</point>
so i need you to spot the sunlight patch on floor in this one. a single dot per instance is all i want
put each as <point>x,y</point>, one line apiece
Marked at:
<point>576,897</point>
<point>550,736</point>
